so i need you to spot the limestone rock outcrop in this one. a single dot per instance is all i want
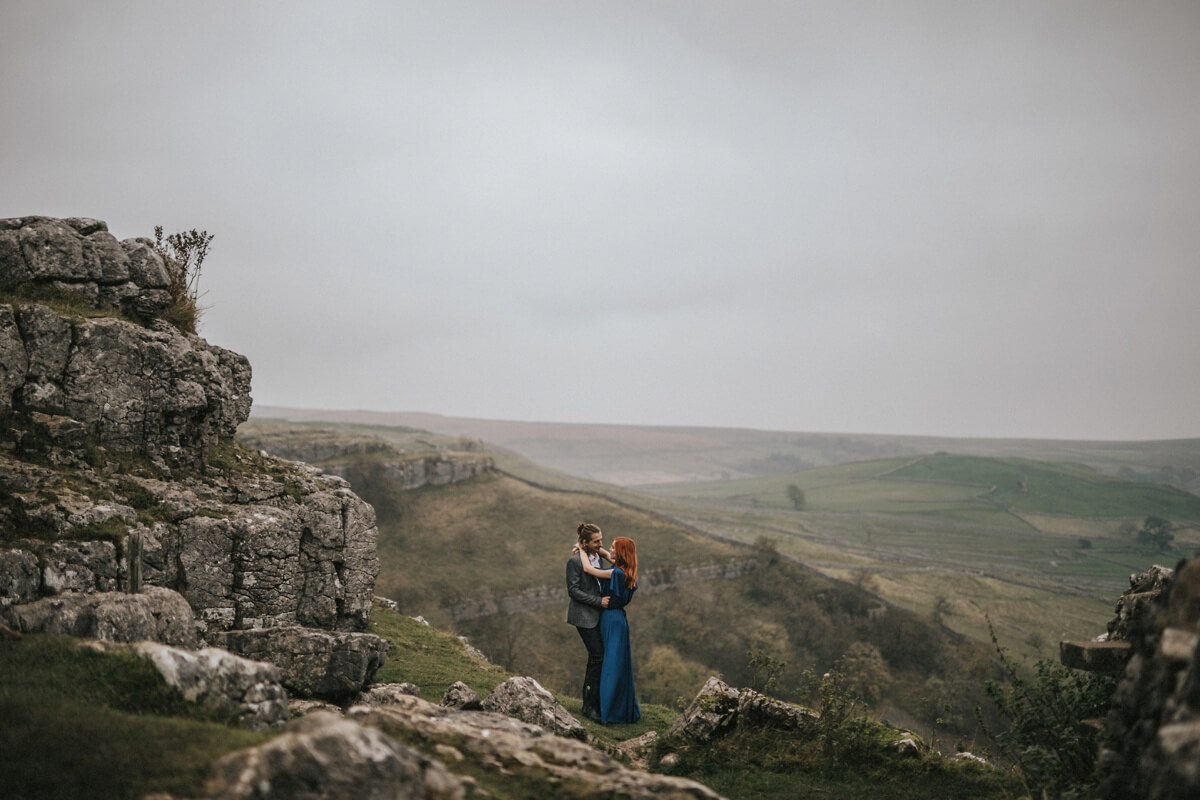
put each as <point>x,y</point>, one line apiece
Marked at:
<point>348,456</point>
<point>142,388</point>
<point>119,469</point>
<point>381,694</point>
<point>1150,747</point>
<point>230,687</point>
<point>459,695</point>
<point>500,744</point>
<point>156,615</point>
<point>246,548</point>
<point>1144,590</point>
<point>324,755</point>
<point>526,699</point>
<point>326,665</point>
<point>713,711</point>
<point>758,710</point>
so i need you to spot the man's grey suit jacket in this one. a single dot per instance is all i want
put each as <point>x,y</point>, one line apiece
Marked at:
<point>585,592</point>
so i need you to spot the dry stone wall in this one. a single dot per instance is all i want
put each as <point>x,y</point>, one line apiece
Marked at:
<point>1151,743</point>
<point>347,455</point>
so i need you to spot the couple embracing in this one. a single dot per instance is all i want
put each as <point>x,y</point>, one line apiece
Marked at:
<point>597,610</point>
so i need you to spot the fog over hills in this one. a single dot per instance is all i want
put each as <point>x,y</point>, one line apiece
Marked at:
<point>631,455</point>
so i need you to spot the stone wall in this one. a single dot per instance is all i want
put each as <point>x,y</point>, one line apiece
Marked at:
<point>1151,743</point>
<point>347,455</point>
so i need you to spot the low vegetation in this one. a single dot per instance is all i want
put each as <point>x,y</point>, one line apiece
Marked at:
<point>186,251</point>
<point>766,764</point>
<point>1052,730</point>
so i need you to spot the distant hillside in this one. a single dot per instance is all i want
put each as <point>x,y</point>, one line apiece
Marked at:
<point>628,455</point>
<point>1040,549</point>
<point>487,556</point>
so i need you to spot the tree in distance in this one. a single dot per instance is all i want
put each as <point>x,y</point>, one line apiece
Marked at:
<point>1157,531</point>
<point>796,495</point>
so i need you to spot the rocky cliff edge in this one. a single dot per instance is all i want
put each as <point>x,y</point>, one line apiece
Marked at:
<point>117,459</point>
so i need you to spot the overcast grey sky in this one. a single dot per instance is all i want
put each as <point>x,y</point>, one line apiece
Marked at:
<point>950,218</point>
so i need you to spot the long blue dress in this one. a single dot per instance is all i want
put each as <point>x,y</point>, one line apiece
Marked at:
<point>618,702</point>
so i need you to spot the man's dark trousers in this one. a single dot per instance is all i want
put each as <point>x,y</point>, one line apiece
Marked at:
<point>591,678</point>
<point>583,612</point>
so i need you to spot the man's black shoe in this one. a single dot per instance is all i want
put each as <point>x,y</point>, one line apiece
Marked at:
<point>593,716</point>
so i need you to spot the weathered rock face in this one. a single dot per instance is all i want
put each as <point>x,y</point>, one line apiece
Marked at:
<point>760,711</point>
<point>117,438</point>
<point>323,755</point>
<point>314,445</point>
<point>78,254</point>
<point>381,694</point>
<point>247,549</point>
<point>233,688</point>
<point>313,663</point>
<point>434,470</point>
<point>712,712</point>
<point>1151,743</point>
<point>459,695</point>
<point>499,743</point>
<point>157,615</point>
<point>718,708</point>
<point>526,699</point>
<point>1133,605</point>
<point>335,451</point>
<point>114,382</point>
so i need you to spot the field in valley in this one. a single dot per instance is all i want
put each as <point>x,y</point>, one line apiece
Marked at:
<point>1041,549</point>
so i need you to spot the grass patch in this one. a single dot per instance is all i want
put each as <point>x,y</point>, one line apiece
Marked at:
<point>78,723</point>
<point>1037,486</point>
<point>61,301</point>
<point>762,763</point>
<point>429,658</point>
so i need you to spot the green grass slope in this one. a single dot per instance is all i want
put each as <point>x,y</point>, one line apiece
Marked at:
<point>79,723</point>
<point>497,536</point>
<point>1042,548</point>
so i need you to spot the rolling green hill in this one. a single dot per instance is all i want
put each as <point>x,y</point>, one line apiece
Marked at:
<point>1042,548</point>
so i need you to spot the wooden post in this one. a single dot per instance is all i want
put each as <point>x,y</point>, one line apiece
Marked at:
<point>133,555</point>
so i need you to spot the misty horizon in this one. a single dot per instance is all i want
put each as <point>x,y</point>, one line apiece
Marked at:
<point>929,218</point>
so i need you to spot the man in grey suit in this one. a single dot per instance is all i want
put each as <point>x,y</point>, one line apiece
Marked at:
<point>583,611</point>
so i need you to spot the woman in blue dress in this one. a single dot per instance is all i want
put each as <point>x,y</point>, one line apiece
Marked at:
<point>618,702</point>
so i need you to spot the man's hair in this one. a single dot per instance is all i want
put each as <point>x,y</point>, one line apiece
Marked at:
<point>586,531</point>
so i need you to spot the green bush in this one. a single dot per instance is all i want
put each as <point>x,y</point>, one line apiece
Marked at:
<point>1051,736</point>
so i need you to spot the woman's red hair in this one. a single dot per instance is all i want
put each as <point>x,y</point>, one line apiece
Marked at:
<point>624,553</point>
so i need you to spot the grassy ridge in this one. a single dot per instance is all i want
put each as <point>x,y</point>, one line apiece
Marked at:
<point>1070,489</point>
<point>498,536</point>
<point>1042,548</point>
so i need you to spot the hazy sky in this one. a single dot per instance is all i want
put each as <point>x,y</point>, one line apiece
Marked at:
<point>953,218</point>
